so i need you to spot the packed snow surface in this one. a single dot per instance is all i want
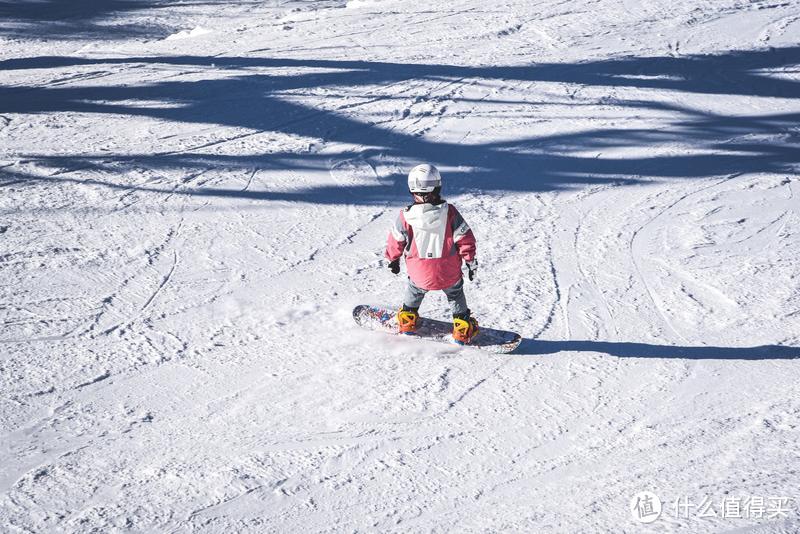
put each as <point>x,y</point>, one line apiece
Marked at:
<point>186,224</point>
<point>185,34</point>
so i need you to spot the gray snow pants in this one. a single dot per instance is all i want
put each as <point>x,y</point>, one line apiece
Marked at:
<point>455,296</point>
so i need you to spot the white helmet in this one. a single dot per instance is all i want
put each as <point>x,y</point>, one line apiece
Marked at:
<point>424,179</point>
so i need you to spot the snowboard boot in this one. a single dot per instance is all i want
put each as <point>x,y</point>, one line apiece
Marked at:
<point>407,320</point>
<point>465,328</point>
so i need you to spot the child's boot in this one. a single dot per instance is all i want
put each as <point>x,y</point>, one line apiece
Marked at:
<point>465,328</point>
<point>407,320</point>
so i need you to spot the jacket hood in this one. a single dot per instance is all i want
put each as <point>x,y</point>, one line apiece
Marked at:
<point>426,216</point>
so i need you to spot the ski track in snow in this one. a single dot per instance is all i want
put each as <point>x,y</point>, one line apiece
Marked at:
<point>186,224</point>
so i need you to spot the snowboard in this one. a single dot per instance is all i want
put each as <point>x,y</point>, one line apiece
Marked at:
<point>383,320</point>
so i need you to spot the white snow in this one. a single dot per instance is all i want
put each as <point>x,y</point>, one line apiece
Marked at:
<point>184,34</point>
<point>360,3</point>
<point>186,224</point>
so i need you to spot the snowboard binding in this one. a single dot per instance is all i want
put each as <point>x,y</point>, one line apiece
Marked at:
<point>407,320</point>
<point>465,328</point>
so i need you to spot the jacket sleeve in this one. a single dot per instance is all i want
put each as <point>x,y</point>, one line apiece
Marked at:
<point>397,238</point>
<point>463,237</point>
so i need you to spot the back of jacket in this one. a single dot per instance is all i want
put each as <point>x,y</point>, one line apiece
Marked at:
<point>435,239</point>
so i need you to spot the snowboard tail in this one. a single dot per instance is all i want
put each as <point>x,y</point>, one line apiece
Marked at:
<point>383,319</point>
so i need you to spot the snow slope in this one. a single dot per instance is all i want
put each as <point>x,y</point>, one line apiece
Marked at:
<point>194,196</point>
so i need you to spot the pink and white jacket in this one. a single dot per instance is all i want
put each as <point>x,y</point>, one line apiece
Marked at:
<point>434,238</point>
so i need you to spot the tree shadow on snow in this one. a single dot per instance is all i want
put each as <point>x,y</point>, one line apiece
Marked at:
<point>645,350</point>
<point>89,19</point>
<point>255,100</point>
<point>74,19</point>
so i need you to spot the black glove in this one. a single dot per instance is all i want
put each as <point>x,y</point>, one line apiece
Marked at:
<point>394,266</point>
<point>472,269</point>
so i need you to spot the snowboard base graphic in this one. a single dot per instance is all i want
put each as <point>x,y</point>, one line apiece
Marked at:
<point>383,320</point>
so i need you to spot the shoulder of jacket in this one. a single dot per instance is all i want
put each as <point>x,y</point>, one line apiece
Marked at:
<point>402,217</point>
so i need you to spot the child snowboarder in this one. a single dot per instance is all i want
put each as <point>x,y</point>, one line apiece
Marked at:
<point>434,239</point>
